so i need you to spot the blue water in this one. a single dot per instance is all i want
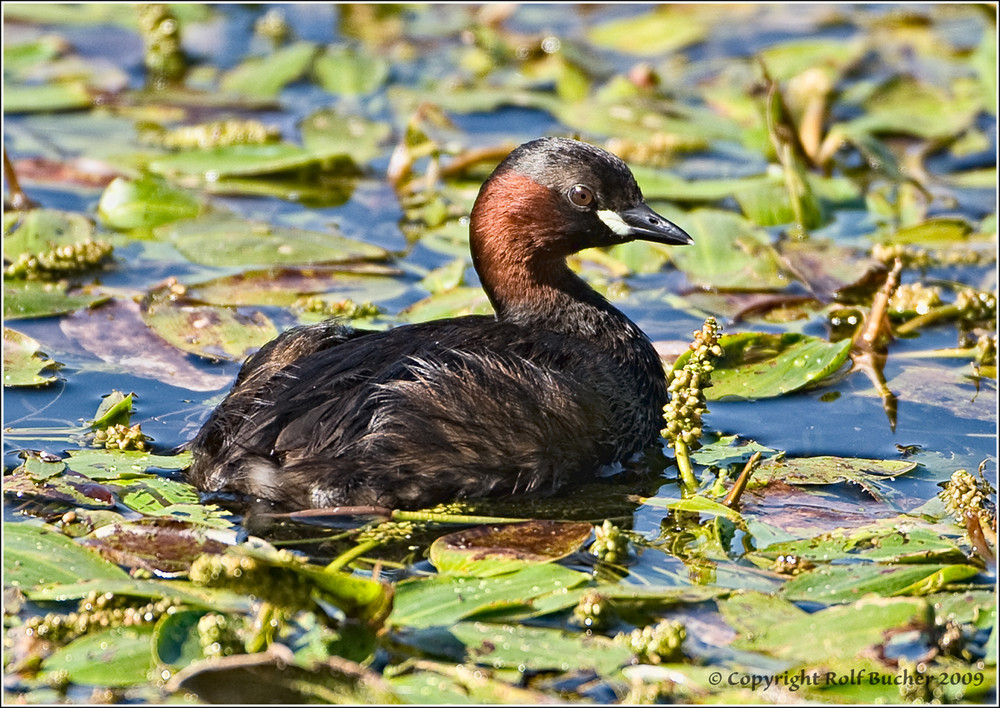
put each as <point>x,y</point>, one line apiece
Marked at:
<point>853,424</point>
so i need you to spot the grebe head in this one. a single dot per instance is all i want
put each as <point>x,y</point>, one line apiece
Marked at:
<point>550,198</point>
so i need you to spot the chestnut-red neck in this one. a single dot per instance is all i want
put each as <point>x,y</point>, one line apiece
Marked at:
<point>519,247</point>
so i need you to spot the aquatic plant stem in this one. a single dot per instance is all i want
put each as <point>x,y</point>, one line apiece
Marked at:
<point>18,199</point>
<point>938,313</point>
<point>732,499</point>
<point>443,518</point>
<point>265,624</point>
<point>341,561</point>
<point>684,466</point>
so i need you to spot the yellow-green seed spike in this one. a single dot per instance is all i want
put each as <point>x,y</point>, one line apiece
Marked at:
<point>684,411</point>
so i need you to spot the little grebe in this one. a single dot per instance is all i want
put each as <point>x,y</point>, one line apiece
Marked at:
<point>558,384</point>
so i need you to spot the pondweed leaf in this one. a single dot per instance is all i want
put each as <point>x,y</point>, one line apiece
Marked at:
<point>46,98</point>
<point>117,335</point>
<point>269,678</point>
<point>330,132</point>
<point>217,599</point>
<point>696,504</point>
<point>165,547</point>
<point>870,475</point>
<point>69,489</point>
<point>360,282</point>
<point>757,365</point>
<point>827,469</point>
<point>458,684</point>
<point>123,464</point>
<point>28,299</point>
<point>232,241</point>
<point>653,33</point>
<point>115,409</point>
<point>41,230</point>
<point>443,600</point>
<point>344,71</point>
<point>898,540</point>
<point>246,160</point>
<point>837,632</point>
<point>828,269</point>
<point>913,107</point>
<point>36,555</point>
<point>23,363</point>
<point>176,640</point>
<point>456,302</point>
<point>266,76</point>
<point>211,332</point>
<point>484,551</point>
<point>121,656</point>
<point>728,253</point>
<point>833,56</point>
<point>144,202</point>
<point>502,646</point>
<point>847,583</point>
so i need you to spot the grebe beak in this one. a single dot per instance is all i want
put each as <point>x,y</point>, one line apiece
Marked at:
<point>647,225</point>
<point>642,223</point>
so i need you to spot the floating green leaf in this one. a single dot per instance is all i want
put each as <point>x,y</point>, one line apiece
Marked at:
<point>362,282</point>
<point>18,57</point>
<point>144,202</point>
<point>696,504</point>
<point>757,365</point>
<point>216,599</point>
<point>34,555</point>
<point>789,58</point>
<point>171,501</point>
<point>751,613</point>
<point>870,475</point>
<point>939,232</point>
<point>838,632</point>
<point>231,241</point>
<point>41,230</point>
<point>212,332</point>
<point>71,489</point>
<point>161,546</point>
<point>828,269</point>
<point>452,303</point>
<point>483,551</point>
<point>894,541</point>
<point>246,160</point>
<point>114,657</point>
<point>265,678</point>
<point>176,641</point>
<point>442,600</point>
<point>123,464</point>
<point>115,409</point>
<point>266,76</point>
<point>728,253</point>
<point>346,72</point>
<point>46,98</point>
<point>663,184</point>
<point>459,685</point>
<point>23,364</point>
<point>665,29</point>
<point>766,202</point>
<point>330,132</point>
<point>513,646</point>
<point>912,107</point>
<point>847,583</point>
<point>727,450</point>
<point>27,299</point>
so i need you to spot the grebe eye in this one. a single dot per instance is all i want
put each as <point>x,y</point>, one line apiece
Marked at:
<point>581,196</point>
